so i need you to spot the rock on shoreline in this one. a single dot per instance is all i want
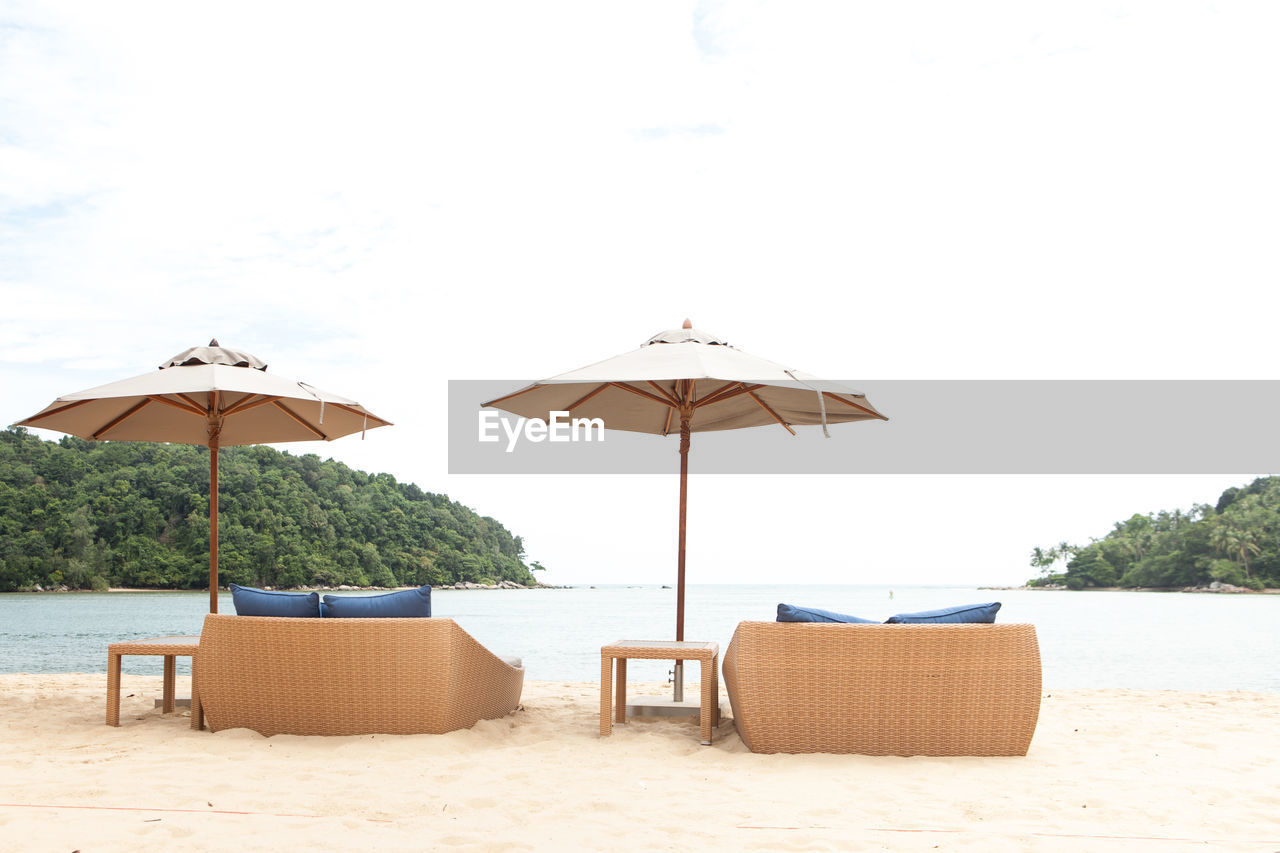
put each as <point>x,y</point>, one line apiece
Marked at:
<point>451,586</point>
<point>1219,586</point>
<point>503,585</point>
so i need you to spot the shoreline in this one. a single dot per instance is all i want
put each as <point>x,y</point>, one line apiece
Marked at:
<point>466,586</point>
<point>462,585</point>
<point>1192,590</point>
<point>1149,770</point>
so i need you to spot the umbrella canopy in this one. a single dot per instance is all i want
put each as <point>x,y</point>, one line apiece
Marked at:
<point>688,375</point>
<point>685,380</point>
<point>212,396</point>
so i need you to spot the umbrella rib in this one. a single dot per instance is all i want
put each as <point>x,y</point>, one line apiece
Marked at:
<point>727,393</point>
<point>201,409</point>
<point>116,421</point>
<point>246,404</point>
<point>666,425</point>
<point>776,417</point>
<point>360,413</point>
<point>282,407</point>
<point>188,406</point>
<point>533,387</point>
<point>671,400</point>
<point>710,396</point>
<point>57,411</point>
<point>654,397</point>
<point>575,405</point>
<point>838,398</point>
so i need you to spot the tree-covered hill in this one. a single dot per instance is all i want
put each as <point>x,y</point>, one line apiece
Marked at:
<point>90,515</point>
<point>1236,541</point>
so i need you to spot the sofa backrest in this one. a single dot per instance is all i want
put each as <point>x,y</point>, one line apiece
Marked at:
<point>348,676</point>
<point>947,689</point>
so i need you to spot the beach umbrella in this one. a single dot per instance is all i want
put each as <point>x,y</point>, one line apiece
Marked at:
<point>685,381</point>
<point>211,396</point>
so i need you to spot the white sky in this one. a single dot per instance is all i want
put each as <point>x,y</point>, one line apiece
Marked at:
<point>377,198</point>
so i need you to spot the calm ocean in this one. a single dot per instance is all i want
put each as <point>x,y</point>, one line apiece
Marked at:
<point>1170,641</point>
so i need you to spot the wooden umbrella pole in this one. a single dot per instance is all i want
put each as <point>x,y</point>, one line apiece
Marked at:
<point>215,430</point>
<point>678,675</point>
<point>213,524</point>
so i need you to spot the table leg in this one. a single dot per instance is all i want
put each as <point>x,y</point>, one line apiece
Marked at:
<point>606,695</point>
<point>197,710</point>
<point>170,677</point>
<point>113,689</point>
<point>715,691</point>
<point>620,700</point>
<point>707,711</point>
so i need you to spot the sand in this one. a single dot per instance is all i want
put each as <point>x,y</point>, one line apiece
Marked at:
<point>1107,770</point>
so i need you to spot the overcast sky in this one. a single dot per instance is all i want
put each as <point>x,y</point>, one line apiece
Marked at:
<point>378,198</point>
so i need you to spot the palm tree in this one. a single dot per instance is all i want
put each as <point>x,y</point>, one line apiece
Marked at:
<point>1065,551</point>
<point>1236,542</point>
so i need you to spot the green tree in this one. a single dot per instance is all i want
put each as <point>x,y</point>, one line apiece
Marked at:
<point>1238,538</point>
<point>1236,541</point>
<point>124,513</point>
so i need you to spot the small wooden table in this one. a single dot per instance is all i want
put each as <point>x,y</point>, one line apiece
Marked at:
<point>170,648</point>
<point>614,708</point>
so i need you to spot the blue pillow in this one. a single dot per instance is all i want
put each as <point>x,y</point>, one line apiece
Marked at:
<point>396,605</point>
<point>962,613</point>
<point>263,602</point>
<point>788,613</point>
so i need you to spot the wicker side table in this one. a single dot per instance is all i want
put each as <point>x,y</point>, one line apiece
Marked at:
<point>613,691</point>
<point>170,648</point>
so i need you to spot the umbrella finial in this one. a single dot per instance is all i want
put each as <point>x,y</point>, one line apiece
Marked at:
<point>213,342</point>
<point>687,324</point>
<point>683,335</point>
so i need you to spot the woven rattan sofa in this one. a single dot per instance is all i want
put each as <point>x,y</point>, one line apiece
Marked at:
<point>965,689</point>
<point>279,675</point>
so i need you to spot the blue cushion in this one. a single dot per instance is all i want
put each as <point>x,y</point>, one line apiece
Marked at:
<point>961,613</point>
<point>401,604</point>
<point>789,613</point>
<point>263,602</point>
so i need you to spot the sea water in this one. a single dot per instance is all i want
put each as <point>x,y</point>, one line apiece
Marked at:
<point>1145,640</point>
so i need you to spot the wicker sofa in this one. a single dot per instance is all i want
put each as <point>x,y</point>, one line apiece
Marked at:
<point>279,675</point>
<point>948,689</point>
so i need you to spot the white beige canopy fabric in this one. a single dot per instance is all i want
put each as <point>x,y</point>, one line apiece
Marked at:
<point>685,380</point>
<point>211,396</point>
<point>686,370</point>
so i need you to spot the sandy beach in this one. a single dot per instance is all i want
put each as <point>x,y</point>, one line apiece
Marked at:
<point>1107,770</point>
